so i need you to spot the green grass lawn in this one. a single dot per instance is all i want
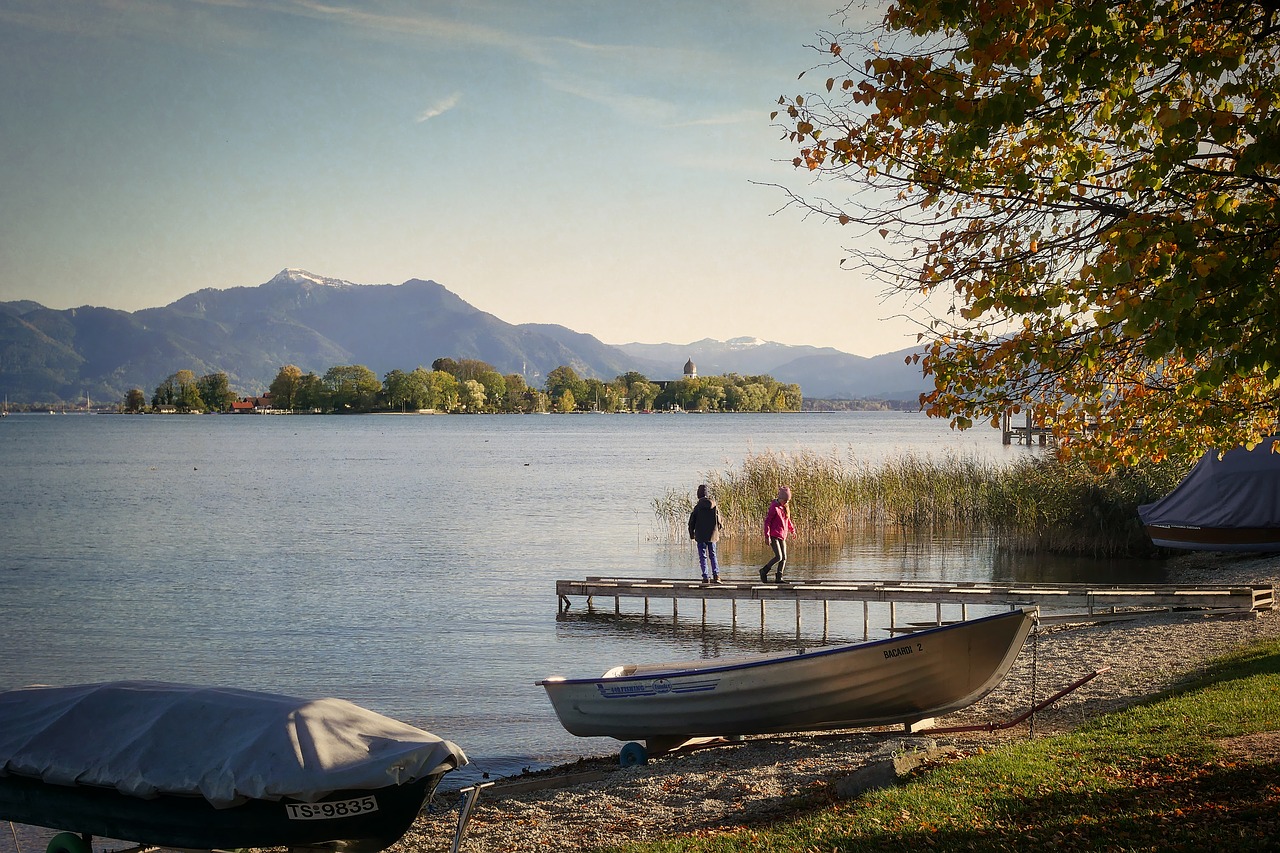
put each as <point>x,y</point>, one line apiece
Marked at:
<point>1196,769</point>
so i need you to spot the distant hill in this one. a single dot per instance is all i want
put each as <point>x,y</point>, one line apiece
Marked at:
<point>50,356</point>
<point>819,371</point>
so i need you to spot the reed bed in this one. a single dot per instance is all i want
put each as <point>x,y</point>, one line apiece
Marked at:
<point>1034,504</point>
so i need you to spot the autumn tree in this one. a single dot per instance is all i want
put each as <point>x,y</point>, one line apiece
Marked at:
<point>1084,193</point>
<point>407,391</point>
<point>682,393</point>
<point>472,396</point>
<point>135,401</point>
<point>518,397</point>
<point>565,378</point>
<point>445,364</point>
<point>351,388</point>
<point>180,391</point>
<point>564,401</point>
<point>599,396</point>
<point>495,388</point>
<point>637,389</point>
<point>311,392</point>
<point>747,397</point>
<point>463,369</point>
<point>215,391</point>
<point>731,393</point>
<point>285,387</point>
<point>711,397</point>
<point>533,400</point>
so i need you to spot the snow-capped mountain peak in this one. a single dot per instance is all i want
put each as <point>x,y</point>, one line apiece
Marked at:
<point>292,275</point>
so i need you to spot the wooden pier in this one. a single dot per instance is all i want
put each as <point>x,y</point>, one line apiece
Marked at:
<point>1062,601</point>
<point>1026,433</point>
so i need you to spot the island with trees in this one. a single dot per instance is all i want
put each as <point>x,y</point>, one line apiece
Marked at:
<point>468,386</point>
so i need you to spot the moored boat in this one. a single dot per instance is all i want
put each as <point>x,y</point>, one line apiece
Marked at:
<point>1228,502</point>
<point>211,768</point>
<point>896,680</point>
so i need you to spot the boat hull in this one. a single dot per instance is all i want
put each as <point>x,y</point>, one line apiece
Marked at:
<point>363,821</point>
<point>902,679</point>
<point>1249,539</point>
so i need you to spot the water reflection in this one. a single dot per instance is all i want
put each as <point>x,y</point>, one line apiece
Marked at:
<point>716,637</point>
<point>1019,567</point>
<point>694,633</point>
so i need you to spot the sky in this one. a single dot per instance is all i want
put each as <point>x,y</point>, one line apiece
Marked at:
<point>599,164</point>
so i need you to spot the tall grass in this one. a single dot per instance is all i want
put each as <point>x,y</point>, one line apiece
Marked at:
<point>1066,507</point>
<point>1032,504</point>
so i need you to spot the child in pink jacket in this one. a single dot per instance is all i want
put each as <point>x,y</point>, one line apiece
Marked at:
<point>777,526</point>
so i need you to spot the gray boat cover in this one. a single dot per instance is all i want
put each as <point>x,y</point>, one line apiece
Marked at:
<point>1242,489</point>
<point>148,738</point>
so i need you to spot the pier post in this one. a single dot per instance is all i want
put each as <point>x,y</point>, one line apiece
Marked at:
<point>797,620</point>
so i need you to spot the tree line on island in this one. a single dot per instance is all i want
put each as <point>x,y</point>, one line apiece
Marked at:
<point>472,386</point>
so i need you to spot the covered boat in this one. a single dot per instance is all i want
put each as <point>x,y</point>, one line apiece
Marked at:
<point>900,679</point>
<point>1230,503</point>
<point>177,765</point>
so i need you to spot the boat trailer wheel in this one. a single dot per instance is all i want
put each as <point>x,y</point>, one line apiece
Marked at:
<point>631,755</point>
<point>68,842</point>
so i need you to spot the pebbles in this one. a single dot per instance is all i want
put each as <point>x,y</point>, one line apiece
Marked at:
<point>711,790</point>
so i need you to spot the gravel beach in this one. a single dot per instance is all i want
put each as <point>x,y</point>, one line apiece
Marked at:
<point>709,790</point>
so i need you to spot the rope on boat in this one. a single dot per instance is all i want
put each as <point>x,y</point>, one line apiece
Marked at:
<point>434,807</point>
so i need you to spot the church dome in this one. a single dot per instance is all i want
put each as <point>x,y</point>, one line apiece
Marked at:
<point>690,369</point>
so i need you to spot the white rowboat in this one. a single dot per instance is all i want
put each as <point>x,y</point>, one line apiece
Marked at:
<point>896,680</point>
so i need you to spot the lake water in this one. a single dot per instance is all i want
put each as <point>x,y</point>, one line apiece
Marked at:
<point>407,563</point>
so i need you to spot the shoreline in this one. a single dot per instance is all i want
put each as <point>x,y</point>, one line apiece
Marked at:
<point>705,791</point>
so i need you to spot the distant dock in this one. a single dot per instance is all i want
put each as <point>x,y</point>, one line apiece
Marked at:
<point>1027,432</point>
<point>1067,601</point>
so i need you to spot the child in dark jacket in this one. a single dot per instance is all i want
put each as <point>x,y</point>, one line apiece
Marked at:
<point>704,529</point>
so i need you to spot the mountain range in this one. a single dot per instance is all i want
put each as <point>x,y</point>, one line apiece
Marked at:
<point>249,333</point>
